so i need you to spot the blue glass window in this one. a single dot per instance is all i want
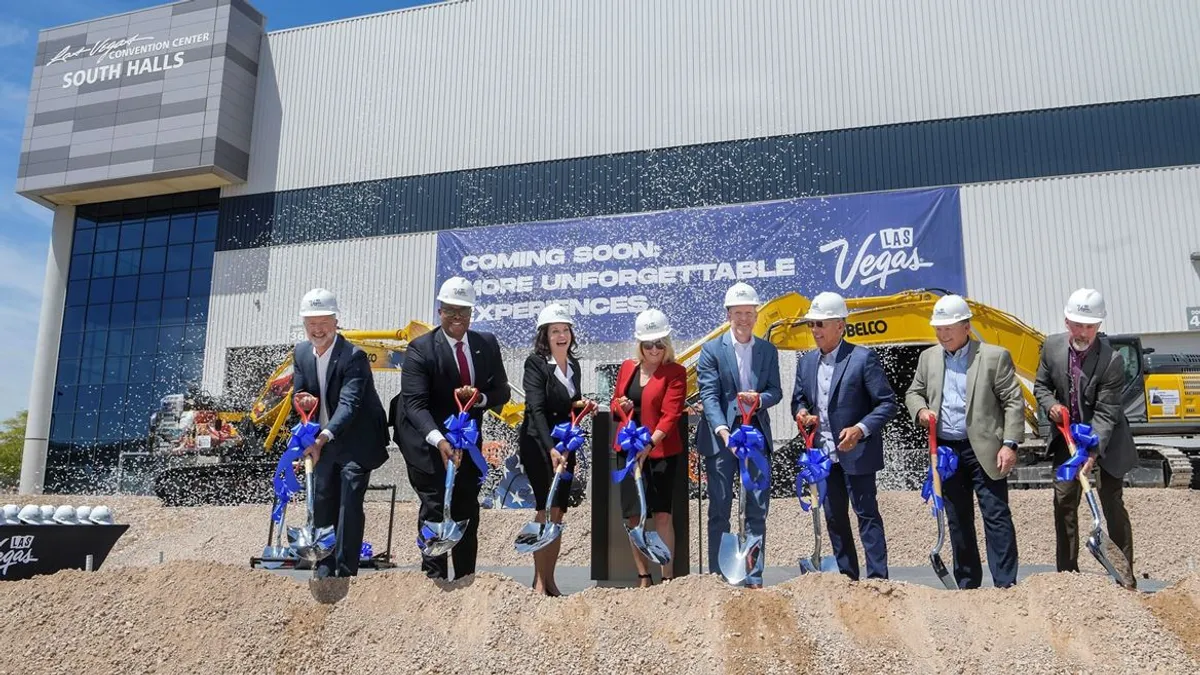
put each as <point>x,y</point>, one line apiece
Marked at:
<point>156,231</point>
<point>120,342</point>
<point>81,266</point>
<point>131,235</point>
<point>60,427</point>
<point>147,313</point>
<point>127,262</point>
<point>68,371</point>
<point>202,254</point>
<point>84,241</point>
<point>122,315</point>
<point>141,369</point>
<point>170,338</point>
<point>73,318</point>
<point>154,259</point>
<point>85,427</point>
<point>176,286</point>
<point>91,371</point>
<point>179,257</point>
<point>70,346</point>
<point>206,226</point>
<point>125,289</point>
<point>97,316</point>
<point>145,340</point>
<point>183,227</point>
<point>95,343</point>
<point>101,291</point>
<point>104,264</point>
<point>77,293</point>
<point>64,398</point>
<point>201,283</point>
<point>113,397</point>
<point>150,287</point>
<point>107,239</point>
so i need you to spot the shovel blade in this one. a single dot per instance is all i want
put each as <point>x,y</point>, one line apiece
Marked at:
<point>272,554</point>
<point>650,544</point>
<point>536,536</point>
<point>312,544</point>
<point>826,564</point>
<point>441,537</point>
<point>738,559</point>
<point>1114,562</point>
<point>939,568</point>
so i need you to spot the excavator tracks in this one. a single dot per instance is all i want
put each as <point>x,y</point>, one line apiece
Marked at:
<point>1179,470</point>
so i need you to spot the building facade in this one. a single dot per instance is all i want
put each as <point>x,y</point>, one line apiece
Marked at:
<point>204,172</point>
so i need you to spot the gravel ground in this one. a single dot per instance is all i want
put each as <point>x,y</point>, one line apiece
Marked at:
<point>205,611</point>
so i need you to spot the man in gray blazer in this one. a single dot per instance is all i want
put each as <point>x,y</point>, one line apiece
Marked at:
<point>1081,374</point>
<point>972,388</point>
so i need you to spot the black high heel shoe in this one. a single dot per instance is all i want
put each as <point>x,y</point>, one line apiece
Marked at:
<point>646,576</point>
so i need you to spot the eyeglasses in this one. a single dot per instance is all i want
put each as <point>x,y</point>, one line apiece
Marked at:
<point>816,324</point>
<point>657,344</point>
<point>450,310</point>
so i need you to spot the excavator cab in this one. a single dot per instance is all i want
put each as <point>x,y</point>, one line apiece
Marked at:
<point>1134,395</point>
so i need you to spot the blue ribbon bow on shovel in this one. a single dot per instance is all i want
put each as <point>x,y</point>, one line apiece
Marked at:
<point>748,444</point>
<point>570,435</point>
<point>947,464</point>
<point>1084,440</point>
<point>463,434</point>
<point>285,482</point>
<point>631,440</point>
<point>812,468</point>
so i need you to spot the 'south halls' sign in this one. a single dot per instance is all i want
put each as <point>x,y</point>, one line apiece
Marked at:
<point>146,53</point>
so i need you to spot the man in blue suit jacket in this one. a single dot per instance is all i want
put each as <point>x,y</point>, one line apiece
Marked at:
<point>845,386</point>
<point>353,438</point>
<point>735,365</point>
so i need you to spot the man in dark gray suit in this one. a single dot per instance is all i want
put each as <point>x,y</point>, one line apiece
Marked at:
<point>353,438</point>
<point>1082,375</point>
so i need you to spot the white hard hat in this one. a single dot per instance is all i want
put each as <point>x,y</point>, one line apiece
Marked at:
<point>827,305</point>
<point>10,514</point>
<point>741,293</point>
<point>318,302</point>
<point>1086,305</point>
<point>100,515</point>
<point>554,314</point>
<point>949,310</point>
<point>47,513</point>
<point>30,514</point>
<point>457,291</point>
<point>65,515</point>
<point>83,515</point>
<point>651,324</point>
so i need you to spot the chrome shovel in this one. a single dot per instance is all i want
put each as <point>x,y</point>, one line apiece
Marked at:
<point>441,536</point>
<point>535,536</point>
<point>273,555</point>
<point>935,554</point>
<point>1111,558</point>
<point>815,562</point>
<point>649,543</point>
<point>739,553</point>
<point>309,542</point>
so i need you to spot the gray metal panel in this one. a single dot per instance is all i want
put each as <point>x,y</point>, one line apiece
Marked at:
<point>1029,244</point>
<point>467,85</point>
<point>382,282</point>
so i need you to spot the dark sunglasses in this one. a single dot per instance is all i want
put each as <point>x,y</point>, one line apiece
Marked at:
<point>657,344</point>
<point>816,324</point>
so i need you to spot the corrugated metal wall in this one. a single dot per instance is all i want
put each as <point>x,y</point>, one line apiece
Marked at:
<point>1088,139</point>
<point>479,84</point>
<point>381,282</point>
<point>1028,244</point>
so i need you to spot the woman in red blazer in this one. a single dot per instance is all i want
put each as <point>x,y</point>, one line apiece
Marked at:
<point>652,387</point>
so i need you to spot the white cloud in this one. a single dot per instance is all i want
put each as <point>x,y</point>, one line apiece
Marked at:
<point>12,34</point>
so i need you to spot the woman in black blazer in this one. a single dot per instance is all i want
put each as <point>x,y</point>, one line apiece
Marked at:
<point>551,389</point>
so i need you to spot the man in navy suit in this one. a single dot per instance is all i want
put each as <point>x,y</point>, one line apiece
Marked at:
<point>447,362</point>
<point>353,438</point>
<point>735,366</point>
<point>842,387</point>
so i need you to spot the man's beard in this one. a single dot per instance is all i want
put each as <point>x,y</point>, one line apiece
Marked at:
<point>1080,344</point>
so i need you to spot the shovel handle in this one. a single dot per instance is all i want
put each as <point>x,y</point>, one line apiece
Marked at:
<point>933,459</point>
<point>308,464</point>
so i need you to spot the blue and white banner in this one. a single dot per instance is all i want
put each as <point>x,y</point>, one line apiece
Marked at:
<point>607,269</point>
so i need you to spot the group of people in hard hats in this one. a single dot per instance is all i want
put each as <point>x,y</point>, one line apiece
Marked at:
<point>966,389</point>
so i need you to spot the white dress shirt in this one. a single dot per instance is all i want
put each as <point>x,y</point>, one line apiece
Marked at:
<point>743,353</point>
<point>825,366</point>
<point>565,379</point>
<point>322,370</point>
<point>436,436</point>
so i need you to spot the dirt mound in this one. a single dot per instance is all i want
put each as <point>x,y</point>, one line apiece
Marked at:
<point>205,617</point>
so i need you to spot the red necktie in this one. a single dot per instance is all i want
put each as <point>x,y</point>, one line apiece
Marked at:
<point>464,370</point>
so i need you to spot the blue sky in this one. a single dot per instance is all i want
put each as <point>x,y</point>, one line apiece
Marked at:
<point>25,226</point>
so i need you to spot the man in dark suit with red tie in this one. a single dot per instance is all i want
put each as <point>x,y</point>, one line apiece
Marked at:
<point>438,365</point>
